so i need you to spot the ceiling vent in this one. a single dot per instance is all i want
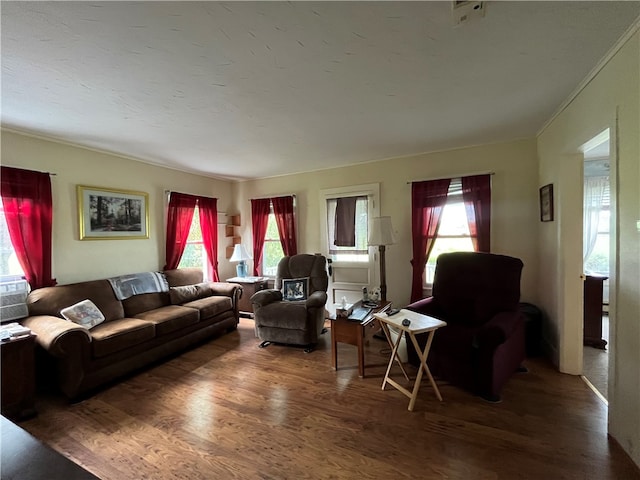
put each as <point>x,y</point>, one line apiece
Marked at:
<point>463,11</point>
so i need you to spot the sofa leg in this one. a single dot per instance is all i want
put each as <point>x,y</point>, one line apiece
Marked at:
<point>309,348</point>
<point>264,344</point>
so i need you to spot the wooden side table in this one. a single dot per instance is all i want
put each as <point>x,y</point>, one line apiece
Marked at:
<point>419,324</point>
<point>250,285</point>
<point>18,377</point>
<point>353,333</point>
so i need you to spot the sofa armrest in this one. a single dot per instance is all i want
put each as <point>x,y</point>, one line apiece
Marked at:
<point>265,297</point>
<point>497,330</point>
<point>225,288</point>
<point>56,335</point>
<point>317,299</point>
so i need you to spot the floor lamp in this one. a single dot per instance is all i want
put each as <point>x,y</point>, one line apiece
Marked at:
<point>381,235</point>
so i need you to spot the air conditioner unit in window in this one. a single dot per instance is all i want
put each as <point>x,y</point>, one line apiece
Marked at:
<point>13,296</point>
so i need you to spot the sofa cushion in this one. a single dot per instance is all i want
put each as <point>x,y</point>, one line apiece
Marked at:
<point>144,302</point>
<point>111,337</point>
<point>170,318</point>
<point>189,293</point>
<point>84,313</point>
<point>50,300</point>
<point>211,306</point>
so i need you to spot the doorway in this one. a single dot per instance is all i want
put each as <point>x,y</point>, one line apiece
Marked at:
<point>597,240</point>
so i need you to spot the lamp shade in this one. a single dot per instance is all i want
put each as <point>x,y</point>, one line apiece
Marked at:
<point>381,231</point>
<point>240,253</point>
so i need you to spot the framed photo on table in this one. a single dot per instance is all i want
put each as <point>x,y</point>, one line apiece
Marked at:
<point>110,214</point>
<point>546,203</point>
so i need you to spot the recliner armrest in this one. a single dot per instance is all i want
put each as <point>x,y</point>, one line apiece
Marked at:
<point>317,299</point>
<point>265,297</point>
<point>426,306</point>
<point>497,330</point>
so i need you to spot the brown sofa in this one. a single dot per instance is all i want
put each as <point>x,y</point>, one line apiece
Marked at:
<point>136,332</point>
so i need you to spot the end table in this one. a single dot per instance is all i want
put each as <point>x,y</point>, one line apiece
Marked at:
<point>18,377</point>
<point>250,285</point>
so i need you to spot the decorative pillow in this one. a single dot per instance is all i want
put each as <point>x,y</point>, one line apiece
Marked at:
<point>84,313</point>
<point>295,289</point>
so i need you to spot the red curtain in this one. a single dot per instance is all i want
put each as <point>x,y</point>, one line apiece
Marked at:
<point>28,209</point>
<point>283,210</point>
<point>476,192</point>
<point>179,217</point>
<point>208,208</point>
<point>260,208</point>
<point>427,201</point>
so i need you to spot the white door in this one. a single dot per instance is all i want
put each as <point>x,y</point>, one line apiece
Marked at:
<point>350,272</point>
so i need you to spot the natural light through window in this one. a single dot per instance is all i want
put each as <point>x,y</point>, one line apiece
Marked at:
<point>194,253</point>
<point>359,252</point>
<point>272,251</point>
<point>453,235</point>
<point>9,264</point>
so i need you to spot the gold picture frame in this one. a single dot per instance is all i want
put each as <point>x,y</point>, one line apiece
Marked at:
<point>112,214</point>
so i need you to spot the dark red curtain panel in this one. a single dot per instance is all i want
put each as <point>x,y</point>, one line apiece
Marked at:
<point>427,201</point>
<point>260,208</point>
<point>28,209</point>
<point>283,210</point>
<point>179,217</point>
<point>345,222</point>
<point>476,193</point>
<point>208,208</point>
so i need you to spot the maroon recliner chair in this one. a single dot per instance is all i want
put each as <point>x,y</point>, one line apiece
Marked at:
<point>483,344</point>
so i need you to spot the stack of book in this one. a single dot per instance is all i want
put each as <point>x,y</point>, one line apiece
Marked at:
<point>13,330</point>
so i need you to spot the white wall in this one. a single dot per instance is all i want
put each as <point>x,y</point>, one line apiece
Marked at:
<point>514,199</point>
<point>610,100</point>
<point>75,260</point>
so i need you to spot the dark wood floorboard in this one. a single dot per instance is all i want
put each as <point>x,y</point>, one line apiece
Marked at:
<point>230,410</point>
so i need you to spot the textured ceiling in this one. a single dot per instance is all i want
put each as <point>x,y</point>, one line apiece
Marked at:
<point>256,89</point>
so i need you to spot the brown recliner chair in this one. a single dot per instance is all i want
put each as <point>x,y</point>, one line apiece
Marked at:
<point>299,321</point>
<point>483,344</point>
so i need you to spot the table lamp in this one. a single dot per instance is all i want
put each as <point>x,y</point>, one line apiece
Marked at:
<point>241,256</point>
<point>381,235</point>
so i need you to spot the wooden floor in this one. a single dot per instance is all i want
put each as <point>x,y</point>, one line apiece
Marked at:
<point>230,410</point>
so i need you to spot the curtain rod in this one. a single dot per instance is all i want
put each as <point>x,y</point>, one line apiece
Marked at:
<point>20,168</point>
<point>167,192</point>
<point>451,176</point>
<point>274,196</point>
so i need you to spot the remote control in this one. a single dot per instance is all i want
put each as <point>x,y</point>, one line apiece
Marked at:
<point>406,322</point>
<point>393,311</point>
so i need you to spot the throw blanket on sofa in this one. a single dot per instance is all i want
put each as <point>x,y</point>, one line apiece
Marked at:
<point>126,286</point>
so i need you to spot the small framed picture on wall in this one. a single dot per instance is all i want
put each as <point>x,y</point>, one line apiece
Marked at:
<point>546,203</point>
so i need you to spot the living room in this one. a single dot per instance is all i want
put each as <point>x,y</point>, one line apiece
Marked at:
<point>608,98</point>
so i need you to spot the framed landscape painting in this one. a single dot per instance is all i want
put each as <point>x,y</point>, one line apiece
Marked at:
<point>110,214</point>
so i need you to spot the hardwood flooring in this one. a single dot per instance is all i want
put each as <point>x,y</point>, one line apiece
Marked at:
<point>230,410</point>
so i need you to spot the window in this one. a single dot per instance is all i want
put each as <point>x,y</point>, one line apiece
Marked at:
<point>272,249</point>
<point>453,235</point>
<point>598,260</point>
<point>194,254</point>
<point>360,251</point>
<point>9,264</point>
